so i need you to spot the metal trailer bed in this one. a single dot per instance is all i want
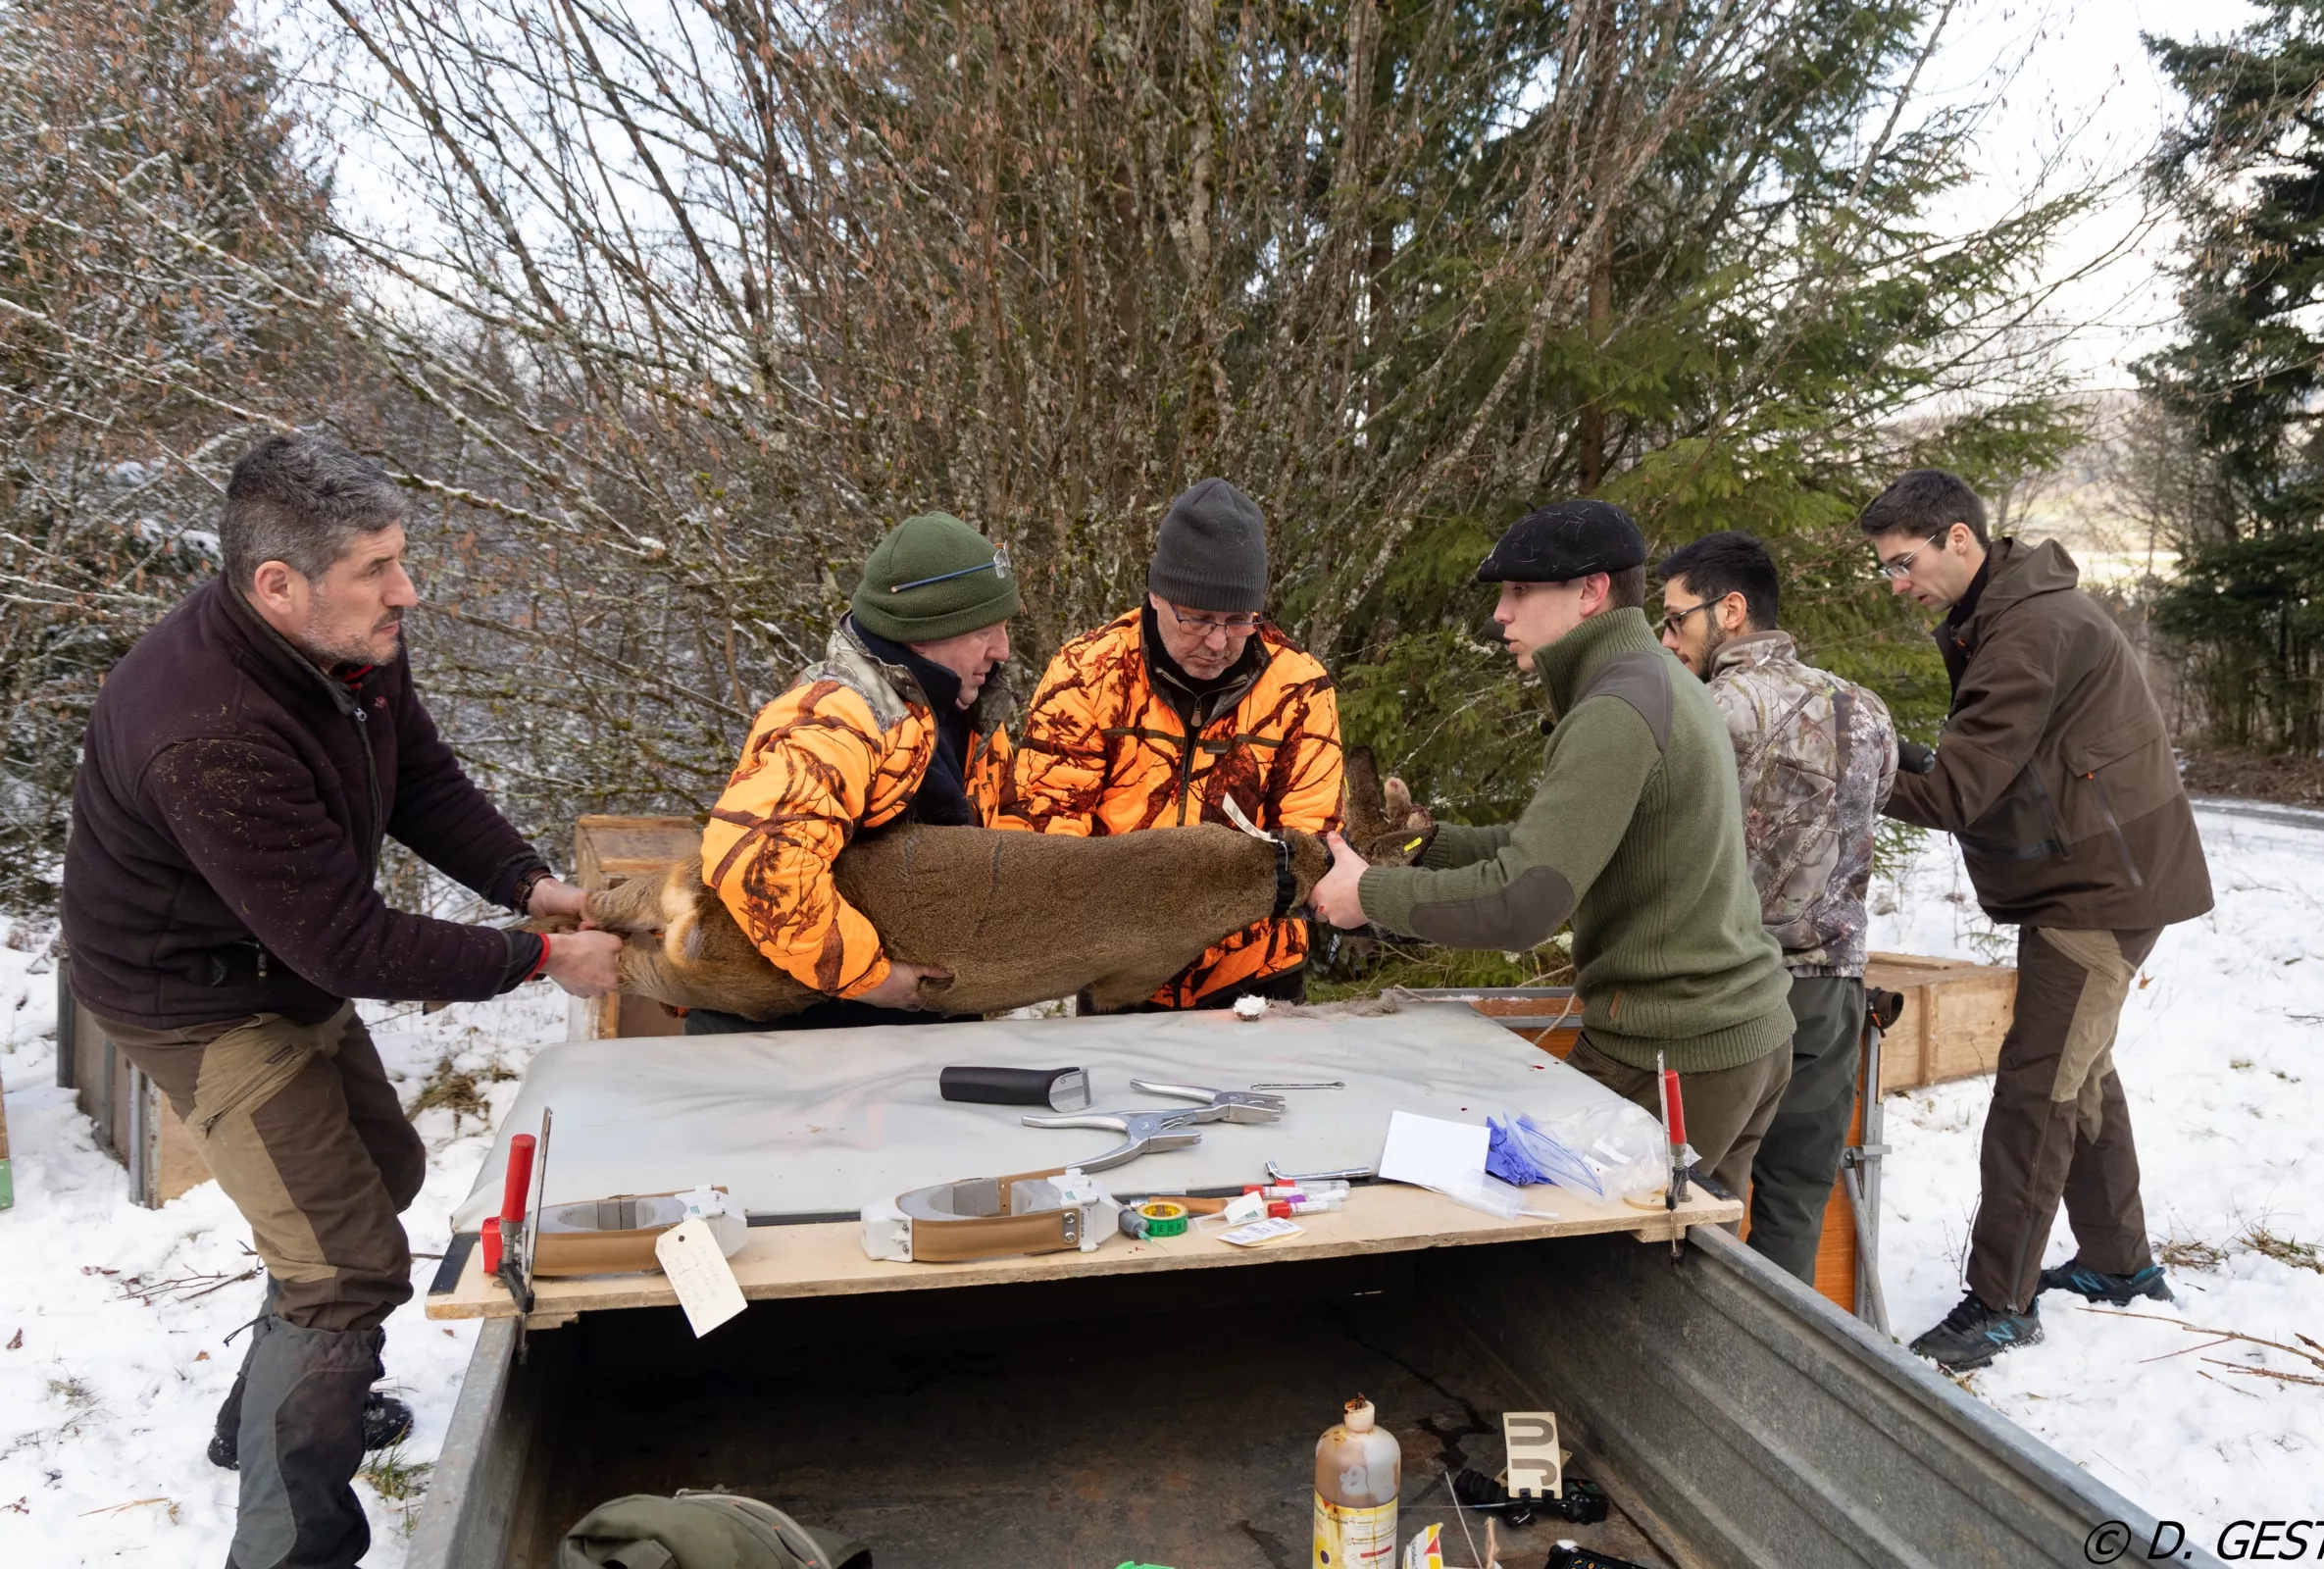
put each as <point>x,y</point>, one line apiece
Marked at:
<point>1736,1417</point>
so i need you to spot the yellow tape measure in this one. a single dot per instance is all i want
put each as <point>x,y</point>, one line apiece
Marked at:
<point>1163,1218</point>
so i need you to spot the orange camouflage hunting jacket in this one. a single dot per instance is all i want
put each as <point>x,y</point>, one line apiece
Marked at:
<point>1102,751</point>
<point>845,750</point>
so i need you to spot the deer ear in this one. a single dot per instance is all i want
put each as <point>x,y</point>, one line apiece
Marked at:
<point>1360,788</point>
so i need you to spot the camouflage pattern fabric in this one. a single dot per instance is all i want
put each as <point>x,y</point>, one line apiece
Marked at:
<point>843,751</point>
<point>1815,756</point>
<point>1100,751</point>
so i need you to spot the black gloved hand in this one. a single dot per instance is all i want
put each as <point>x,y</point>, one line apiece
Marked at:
<point>1914,758</point>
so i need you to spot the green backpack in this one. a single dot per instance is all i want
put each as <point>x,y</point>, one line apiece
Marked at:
<point>701,1531</point>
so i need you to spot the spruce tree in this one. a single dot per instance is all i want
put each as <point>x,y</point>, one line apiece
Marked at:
<point>2245,171</point>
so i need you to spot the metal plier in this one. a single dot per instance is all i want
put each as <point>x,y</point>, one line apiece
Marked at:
<point>1143,1131</point>
<point>1220,1105</point>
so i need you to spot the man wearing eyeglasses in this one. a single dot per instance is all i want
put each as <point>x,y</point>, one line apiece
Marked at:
<point>893,725</point>
<point>1159,718</point>
<point>2057,778</point>
<point>1815,756</point>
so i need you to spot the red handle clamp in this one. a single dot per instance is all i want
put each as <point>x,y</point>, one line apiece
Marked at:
<point>519,1180</point>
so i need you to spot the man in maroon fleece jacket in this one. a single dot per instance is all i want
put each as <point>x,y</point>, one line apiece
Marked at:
<point>243,766</point>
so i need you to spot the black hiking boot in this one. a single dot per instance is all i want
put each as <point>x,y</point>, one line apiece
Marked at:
<point>2119,1291</point>
<point>1973,1334</point>
<point>386,1420</point>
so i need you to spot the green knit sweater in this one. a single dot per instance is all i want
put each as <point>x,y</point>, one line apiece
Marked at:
<point>1635,832</point>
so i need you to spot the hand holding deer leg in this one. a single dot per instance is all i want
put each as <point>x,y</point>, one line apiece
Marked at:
<point>1337,898</point>
<point>551,897</point>
<point>585,964</point>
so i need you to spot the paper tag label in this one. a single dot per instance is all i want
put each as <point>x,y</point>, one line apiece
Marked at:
<point>1263,1231</point>
<point>700,1275</point>
<point>1537,1465</point>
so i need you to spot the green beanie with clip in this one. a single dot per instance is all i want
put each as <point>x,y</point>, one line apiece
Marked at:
<point>932,578</point>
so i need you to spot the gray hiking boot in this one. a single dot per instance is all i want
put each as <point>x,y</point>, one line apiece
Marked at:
<point>1973,1334</point>
<point>2100,1286</point>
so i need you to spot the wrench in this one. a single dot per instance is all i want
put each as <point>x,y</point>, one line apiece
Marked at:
<point>1224,1105</point>
<point>1143,1131</point>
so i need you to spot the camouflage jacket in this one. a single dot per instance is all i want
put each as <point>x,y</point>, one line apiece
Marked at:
<point>1815,756</point>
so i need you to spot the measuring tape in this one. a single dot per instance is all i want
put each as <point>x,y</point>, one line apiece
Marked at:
<point>1163,1218</point>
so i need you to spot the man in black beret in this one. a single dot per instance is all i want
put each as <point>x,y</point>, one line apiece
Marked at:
<point>1635,834</point>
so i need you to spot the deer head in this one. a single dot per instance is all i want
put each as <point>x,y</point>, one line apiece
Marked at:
<point>1383,826</point>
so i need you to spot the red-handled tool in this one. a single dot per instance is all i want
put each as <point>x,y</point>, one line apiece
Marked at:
<point>504,1238</point>
<point>1674,1129</point>
<point>519,1185</point>
<point>1674,1109</point>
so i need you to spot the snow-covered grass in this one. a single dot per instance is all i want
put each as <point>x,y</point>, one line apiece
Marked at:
<point>2218,1059</point>
<point>106,1402</point>
<point>113,1353</point>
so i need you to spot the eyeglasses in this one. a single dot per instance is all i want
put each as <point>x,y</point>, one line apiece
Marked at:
<point>1901,567</point>
<point>1672,622</point>
<point>998,566</point>
<point>1237,626</point>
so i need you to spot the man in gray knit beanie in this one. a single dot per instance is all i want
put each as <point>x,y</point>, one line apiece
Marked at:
<point>1160,717</point>
<point>1211,554</point>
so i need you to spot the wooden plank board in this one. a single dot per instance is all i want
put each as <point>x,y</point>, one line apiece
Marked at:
<point>829,1260</point>
<point>1955,1014</point>
<point>608,852</point>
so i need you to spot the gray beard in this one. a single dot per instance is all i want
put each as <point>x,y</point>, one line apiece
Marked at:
<point>328,656</point>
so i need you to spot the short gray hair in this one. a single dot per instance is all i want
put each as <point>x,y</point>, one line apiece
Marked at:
<point>302,500</point>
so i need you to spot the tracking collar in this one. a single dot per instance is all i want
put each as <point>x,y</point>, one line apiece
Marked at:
<point>1054,1211</point>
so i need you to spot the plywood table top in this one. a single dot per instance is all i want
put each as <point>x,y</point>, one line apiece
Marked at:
<point>827,1259</point>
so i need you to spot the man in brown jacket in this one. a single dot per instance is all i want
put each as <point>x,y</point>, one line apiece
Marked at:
<point>2057,778</point>
<point>242,765</point>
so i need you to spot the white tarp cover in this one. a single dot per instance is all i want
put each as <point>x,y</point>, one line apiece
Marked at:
<point>823,1121</point>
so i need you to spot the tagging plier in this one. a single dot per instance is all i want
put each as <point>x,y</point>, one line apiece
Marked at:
<point>1142,1131</point>
<point>1220,1105</point>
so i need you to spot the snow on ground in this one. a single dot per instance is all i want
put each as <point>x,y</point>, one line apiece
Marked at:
<point>2218,1058</point>
<point>113,1357</point>
<point>106,1400</point>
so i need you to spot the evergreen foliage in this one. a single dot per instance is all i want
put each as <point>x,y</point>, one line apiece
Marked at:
<point>2246,169</point>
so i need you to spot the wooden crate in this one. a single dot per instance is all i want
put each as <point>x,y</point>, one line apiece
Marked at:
<point>135,1121</point>
<point>1955,1014</point>
<point>608,852</point>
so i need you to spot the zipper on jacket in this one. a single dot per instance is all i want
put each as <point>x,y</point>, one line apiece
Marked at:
<point>2057,819</point>
<point>2114,827</point>
<point>1186,775</point>
<point>371,780</point>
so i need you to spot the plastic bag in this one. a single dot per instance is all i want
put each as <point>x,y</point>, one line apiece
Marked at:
<point>1605,1151</point>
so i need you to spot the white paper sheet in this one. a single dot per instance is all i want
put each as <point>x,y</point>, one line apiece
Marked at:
<point>1431,1152</point>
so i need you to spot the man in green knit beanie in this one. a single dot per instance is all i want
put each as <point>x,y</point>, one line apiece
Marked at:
<point>896,724</point>
<point>1635,832</point>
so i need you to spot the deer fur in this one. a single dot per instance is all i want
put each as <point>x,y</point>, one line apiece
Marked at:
<point>1017,918</point>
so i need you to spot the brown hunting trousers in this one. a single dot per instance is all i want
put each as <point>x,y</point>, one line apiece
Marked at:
<point>2059,1127</point>
<point>301,1128</point>
<point>1726,1112</point>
